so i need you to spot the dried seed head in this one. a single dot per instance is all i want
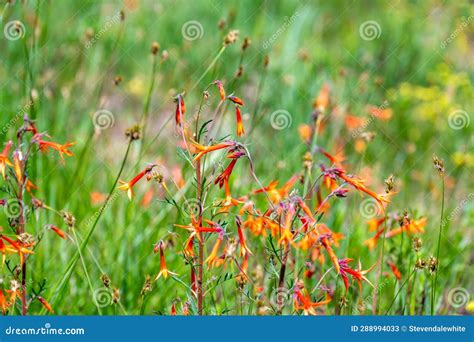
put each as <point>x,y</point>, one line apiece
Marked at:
<point>133,133</point>
<point>420,264</point>
<point>147,286</point>
<point>37,204</point>
<point>231,37</point>
<point>115,295</point>
<point>14,285</point>
<point>122,15</point>
<point>69,219</point>
<point>164,55</point>
<point>155,47</point>
<point>438,164</point>
<point>105,280</point>
<point>342,302</point>
<point>221,24</point>
<point>368,136</point>
<point>239,72</point>
<point>266,61</point>
<point>246,43</point>
<point>117,80</point>
<point>26,238</point>
<point>417,244</point>
<point>432,264</point>
<point>308,160</point>
<point>389,183</point>
<point>89,33</point>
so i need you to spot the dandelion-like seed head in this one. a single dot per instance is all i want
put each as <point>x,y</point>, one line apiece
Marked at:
<point>417,244</point>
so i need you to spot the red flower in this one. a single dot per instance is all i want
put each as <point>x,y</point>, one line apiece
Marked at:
<point>180,109</point>
<point>358,274</point>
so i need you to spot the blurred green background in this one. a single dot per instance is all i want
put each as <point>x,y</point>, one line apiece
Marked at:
<point>417,56</point>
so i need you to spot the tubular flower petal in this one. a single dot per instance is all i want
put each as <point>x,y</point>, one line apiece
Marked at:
<point>358,275</point>
<point>58,231</point>
<point>221,89</point>
<point>240,125</point>
<point>302,301</point>
<point>236,100</point>
<point>44,145</point>
<point>46,305</point>
<point>163,269</point>
<point>244,250</point>
<point>396,272</point>
<point>128,186</point>
<point>202,150</point>
<point>4,161</point>
<point>180,109</point>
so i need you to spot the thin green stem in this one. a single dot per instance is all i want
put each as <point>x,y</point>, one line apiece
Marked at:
<point>434,285</point>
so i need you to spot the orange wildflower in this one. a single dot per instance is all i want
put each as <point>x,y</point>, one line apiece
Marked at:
<point>372,242</point>
<point>173,310</point>
<point>17,157</point>
<point>327,246</point>
<point>375,223</point>
<point>3,303</point>
<point>287,235</point>
<point>4,161</point>
<point>358,184</point>
<point>236,100</point>
<point>322,101</point>
<point>380,113</point>
<point>46,305</point>
<point>221,89</point>
<point>337,159</point>
<point>244,249</point>
<point>44,145</point>
<point>302,301</point>
<point>202,150</point>
<point>276,195</point>
<point>128,186</point>
<point>395,270</point>
<point>13,247</point>
<point>411,227</point>
<point>212,258</point>
<point>163,269</point>
<point>240,125</point>
<point>58,231</point>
